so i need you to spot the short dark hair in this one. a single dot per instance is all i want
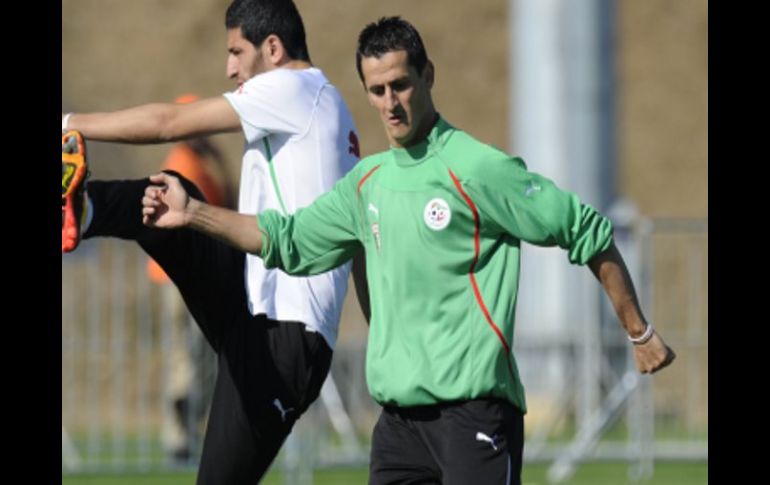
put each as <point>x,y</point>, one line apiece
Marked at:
<point>391,34</point>
<point>260,18</point>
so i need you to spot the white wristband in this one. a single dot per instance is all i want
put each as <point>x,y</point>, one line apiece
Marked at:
<point>647,335</point>
<point>65,122</point>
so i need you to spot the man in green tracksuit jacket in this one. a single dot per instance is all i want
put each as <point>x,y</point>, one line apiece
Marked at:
<point>442,223</point>
<point>441,217</point>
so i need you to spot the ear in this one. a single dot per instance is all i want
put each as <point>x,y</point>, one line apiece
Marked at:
<point>273,49</point>
<point>428,74</point>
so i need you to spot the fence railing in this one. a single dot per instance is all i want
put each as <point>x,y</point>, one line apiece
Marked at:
<point>134,369</point>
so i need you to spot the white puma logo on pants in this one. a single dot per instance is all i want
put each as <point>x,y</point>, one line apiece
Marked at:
<point>482,437</point>
<point>279,406</point>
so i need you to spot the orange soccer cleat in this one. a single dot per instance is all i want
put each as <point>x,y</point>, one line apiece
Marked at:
<point>74,172</point>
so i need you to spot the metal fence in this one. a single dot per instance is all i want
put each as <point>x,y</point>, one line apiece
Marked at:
<point>120,349</point>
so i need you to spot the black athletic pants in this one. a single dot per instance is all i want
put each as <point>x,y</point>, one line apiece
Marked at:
<point>269,372</point>
<point>462,443</point>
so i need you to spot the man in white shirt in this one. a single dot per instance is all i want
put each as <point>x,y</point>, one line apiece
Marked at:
<point>273,333</point>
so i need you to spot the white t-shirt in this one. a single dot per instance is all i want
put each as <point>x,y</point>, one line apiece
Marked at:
<point>300,139</point>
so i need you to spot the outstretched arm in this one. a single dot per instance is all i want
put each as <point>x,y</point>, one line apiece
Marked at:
<point>652,353</point>
<point>167,205</point>
<point>158,122</point>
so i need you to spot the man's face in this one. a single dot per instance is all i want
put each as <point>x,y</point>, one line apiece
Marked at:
<point>244,60</point>
<point>400,95</point>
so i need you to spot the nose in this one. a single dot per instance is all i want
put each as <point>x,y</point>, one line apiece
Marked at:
<point>391,100</point>
<point>232,67</point>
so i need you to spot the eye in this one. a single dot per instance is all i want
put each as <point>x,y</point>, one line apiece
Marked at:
<point>401,85</point>
<point>377,90</point>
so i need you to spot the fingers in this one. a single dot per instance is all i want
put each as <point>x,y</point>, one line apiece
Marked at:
<point>152,197</point>
<point>151,201</point>
<point>168,183</point>
<point>651,358</point>
<point>161,178</point>
<point>164,201</point>
<point>670,356</point>
<point>148,216</point>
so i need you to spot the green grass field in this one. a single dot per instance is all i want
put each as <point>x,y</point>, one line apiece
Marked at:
<point>588,474</point>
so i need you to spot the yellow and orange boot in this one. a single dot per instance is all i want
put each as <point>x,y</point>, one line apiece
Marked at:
<point>74,172</point>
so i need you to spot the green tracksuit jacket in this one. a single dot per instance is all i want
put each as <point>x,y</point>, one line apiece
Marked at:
<point>442,224</point>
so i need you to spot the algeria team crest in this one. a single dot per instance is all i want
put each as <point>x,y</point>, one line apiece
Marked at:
<point>437,214</point>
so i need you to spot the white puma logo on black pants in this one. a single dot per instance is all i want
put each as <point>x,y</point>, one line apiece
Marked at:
<point>279,406</point>
<point>409,443</point>
<point>483,437</point>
